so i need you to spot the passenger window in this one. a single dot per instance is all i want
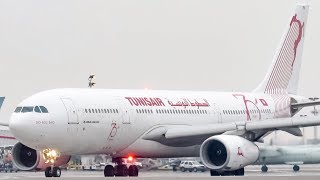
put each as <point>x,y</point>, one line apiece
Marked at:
<point>92,110</point>
<point>43,109</point>
<point>114,111</point>
<point>37,109</point>
<point>27,109</point>
<point>18,109</point>
<point>89,110</point>
<point>99,110</point>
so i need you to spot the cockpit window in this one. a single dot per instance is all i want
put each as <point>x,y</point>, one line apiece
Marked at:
<point>27,109</point>
<point>37,109</point>
<point>43,109</point>
<point>18,109</point>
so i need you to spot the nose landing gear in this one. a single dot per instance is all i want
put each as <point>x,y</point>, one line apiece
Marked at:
<point>52,172</point>
<point>50,156</point>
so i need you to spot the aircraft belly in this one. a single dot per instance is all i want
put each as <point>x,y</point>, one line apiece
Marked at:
<point>150,149</point>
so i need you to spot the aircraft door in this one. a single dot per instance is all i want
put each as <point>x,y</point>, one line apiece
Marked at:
<point>126,116</point>
<point>217,113</point>
<point>71,111</point>
<point>125,112</point>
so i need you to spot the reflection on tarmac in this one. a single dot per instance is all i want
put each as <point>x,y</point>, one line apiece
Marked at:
<point>275,172</point>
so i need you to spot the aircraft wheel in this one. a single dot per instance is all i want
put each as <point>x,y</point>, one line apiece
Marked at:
<point>108,171</point>
<point>296,168</point>
<point>121,170</point>
<point>48,172</point>
<point>133,170</point>
<point>214,173</point>
<point>227,173</point>
<point>56,172</point>
<point>182,169</point>
<point>239,172</point>
<point>264,168</point>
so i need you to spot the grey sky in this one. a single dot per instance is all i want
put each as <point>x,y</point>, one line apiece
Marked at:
<point>160,44</point>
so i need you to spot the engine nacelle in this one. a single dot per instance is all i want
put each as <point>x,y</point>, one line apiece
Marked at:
<point>228,152</point>
<point>26,158</point>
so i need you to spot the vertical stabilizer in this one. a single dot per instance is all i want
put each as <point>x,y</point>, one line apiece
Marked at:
<point>283,74</point>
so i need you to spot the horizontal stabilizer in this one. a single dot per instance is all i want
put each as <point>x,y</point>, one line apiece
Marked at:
<point>305,104</point>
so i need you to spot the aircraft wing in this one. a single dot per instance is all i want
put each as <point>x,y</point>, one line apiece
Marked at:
<point>191,135</point>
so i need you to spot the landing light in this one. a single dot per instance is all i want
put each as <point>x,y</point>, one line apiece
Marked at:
<point>49,155</point>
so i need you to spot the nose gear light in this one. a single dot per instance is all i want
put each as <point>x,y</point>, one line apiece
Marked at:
<point>50,155</point>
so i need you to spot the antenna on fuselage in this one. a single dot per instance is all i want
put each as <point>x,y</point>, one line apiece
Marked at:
<point>91,80</point>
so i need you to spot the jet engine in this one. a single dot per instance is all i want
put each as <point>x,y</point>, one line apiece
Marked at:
<point>228,152</point>
<point>26,158</point>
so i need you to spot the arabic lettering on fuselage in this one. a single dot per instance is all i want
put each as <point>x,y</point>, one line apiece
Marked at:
<point>186,102</point>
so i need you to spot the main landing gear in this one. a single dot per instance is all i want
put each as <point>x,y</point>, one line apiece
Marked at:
<point>120,169</point>
<point>52,171</point>
<point>239,172</point>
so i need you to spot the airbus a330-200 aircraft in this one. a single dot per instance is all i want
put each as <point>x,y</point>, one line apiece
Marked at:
<point>220,127</point>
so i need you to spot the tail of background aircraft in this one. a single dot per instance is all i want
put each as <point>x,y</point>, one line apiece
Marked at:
<point>283,74</point>
<point>1,101</point>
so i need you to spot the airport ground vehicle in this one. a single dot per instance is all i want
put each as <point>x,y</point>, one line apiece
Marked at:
<point>6,164</point>
<point>191,166</point>
<point>221,127</point>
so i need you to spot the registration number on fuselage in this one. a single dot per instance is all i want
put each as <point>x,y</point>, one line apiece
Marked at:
<point>45,122</point>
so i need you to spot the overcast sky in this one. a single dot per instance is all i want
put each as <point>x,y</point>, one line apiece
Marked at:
<point>158,44</point>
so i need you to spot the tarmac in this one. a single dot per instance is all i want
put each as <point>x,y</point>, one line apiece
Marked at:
<point>278,172</point>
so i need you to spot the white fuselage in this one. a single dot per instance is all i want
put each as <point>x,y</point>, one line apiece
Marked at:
<point>97,121</point>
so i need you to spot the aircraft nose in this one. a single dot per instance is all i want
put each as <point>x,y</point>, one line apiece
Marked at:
<point>19,127</point>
